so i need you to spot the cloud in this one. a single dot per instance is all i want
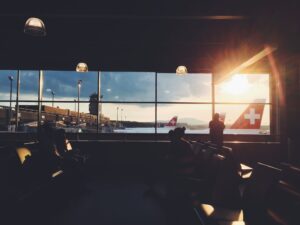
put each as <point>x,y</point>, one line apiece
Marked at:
<point>128,86</point>
<point>64,83</point>
<point>192,87</point>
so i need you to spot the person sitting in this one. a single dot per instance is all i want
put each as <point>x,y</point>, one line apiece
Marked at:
<point>64,150</point>
<point>181,155</point>
<point>47,156</point>
<point>216,128</point>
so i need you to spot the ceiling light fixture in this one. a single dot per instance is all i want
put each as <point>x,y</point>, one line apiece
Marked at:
<point>181,70</point>
<point>82,67</point>
<point>35,27</point>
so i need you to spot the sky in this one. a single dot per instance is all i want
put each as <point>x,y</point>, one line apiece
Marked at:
<point>140,86</point>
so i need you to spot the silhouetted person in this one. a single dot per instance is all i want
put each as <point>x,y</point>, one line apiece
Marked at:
<point>47,149</point>
<point>181,155</point>
<point>216,128</point>
<point>62,143</point>
<point>71,159</point>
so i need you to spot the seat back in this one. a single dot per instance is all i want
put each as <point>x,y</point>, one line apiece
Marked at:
<point>263,178</point>
<point>226,188</point>
<point>291,174</point>
<point>23,152</point>
<point>283,203</point>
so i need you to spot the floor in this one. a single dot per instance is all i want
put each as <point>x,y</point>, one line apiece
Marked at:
<point>119,201</point>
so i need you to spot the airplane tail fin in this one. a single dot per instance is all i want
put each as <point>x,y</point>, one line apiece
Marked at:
<point>172,122</point>
<point>251,117</point>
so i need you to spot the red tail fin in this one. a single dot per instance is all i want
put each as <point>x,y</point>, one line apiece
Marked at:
<point>251,117</point>
<point>172,122</point>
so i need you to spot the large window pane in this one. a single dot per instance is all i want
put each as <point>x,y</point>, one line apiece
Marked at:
<point>63,85</point>
<point>7,116</point>
<point>245,118</point>
<point>128,118</point>
<point>128,86</point>
<point>65,116</point>
<point>244,88</point>
<point>195,117</point>
<point>28,117</point>
<point>188,88</point>
<point>29,85</point>
<point>6,77</point>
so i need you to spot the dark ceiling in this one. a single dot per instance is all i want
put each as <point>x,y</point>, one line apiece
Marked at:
<point>145,35</point>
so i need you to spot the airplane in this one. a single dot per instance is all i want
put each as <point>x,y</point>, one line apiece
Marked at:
<point>249,122</point>
<point>172,123</point>
<point>161,128</point>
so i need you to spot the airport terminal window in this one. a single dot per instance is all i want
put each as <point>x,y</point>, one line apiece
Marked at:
<point>127,118</point>
<point>64,85</point>
<point>188,88</point>
<point>7,116</point>
<point>29,85</point>
<point>65,115</point>
<point>244,101</point>
<point>240,119</point>
<point>194,117</point>
<point>27,117</point>
<point>128,86</point>
<point>129,102</point>
<point>7,77</point>
<point>243,88</point>
<point>192,94</point>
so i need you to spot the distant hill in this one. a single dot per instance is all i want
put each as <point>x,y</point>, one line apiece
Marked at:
<point>186,120</point>
<point>191,121</point>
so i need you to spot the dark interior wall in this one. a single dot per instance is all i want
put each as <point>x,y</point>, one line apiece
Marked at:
<point>250,152</point>
<point>292,92</point>
<point>145,155</point>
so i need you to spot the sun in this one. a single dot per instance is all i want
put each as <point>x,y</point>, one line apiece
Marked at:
<point>237,85</point>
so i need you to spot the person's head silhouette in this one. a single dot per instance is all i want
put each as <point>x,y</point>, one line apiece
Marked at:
<point>179,132</point>
<point>216,117</point>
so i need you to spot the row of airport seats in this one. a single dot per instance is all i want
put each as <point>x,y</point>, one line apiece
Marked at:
<point>29,191</point>
<point>268,194</point>
<point>218,175</point>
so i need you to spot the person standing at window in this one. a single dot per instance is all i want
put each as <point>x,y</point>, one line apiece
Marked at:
<point>216,128</point>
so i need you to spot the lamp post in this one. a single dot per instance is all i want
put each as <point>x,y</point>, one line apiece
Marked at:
<point>100,108</point>
<point>121,116</point>
<point>11,78</point>
<point>75,104</point>
<point>79,82</point>
<point>53,93</point>
<point>117,116</point>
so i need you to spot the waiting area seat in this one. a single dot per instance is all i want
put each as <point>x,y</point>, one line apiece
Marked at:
<point>219,213</point>
<point>269,196</point>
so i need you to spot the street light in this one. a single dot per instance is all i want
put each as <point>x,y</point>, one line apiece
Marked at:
<point>117,116</point>
<point>100,109</point>
<point>79,82</point>
<point>53,93</point>
<point>121,116</point>
<point>11,78</point>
